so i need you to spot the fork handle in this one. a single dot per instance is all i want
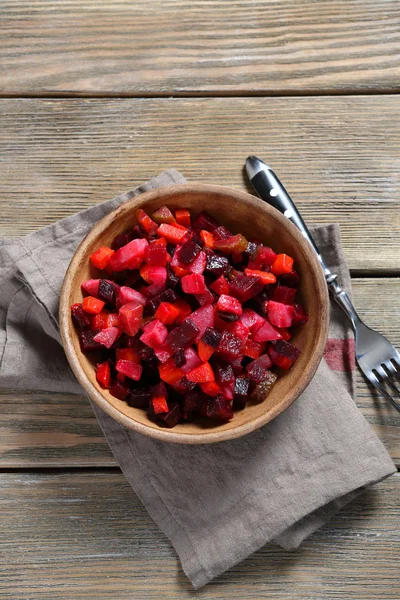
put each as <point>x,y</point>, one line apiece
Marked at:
<point>269,188</point>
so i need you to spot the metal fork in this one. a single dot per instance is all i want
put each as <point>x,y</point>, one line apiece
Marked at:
<point>376,357</point>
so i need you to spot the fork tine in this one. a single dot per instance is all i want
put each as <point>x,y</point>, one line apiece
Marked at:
<point>376,382</point>
<point>389,381</point>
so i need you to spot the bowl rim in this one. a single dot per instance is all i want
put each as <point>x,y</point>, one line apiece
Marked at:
<point>206,436</point>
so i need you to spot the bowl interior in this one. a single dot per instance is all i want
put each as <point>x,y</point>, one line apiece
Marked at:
<point>241,213</point>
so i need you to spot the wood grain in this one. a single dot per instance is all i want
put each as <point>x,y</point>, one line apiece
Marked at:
<point>86,535</point>
<point>338,156</point>
<point>54,430</point>
<point>176,47</point>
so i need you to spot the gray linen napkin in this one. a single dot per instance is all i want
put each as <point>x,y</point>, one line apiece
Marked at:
<point>218,503</point>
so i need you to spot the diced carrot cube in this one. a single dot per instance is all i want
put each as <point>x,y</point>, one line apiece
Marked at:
<point>182,217</point>
<point>92,305</point>
<point>282,264</point>
<point>101,258</point>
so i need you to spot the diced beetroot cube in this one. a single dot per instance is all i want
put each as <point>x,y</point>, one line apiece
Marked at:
<point>106,337</point>
<point>121,240</point>
<point>163,353</point>
<point>223,372</point>
<point>87,342</point>
<point>254,349</point>
<point>107,291</point>
<point>206,298</point>
<point>278,359</point>
<point>91,286</point>
<point>227,390</point>
<point>288,350</point>
<point>238,329</point>
<point>192,401</point>
<point>183,335</point>
<point>152,274</point>
<point>80,318</point>
<point>217,265</point>
<point>129,369</point>
<point>203,317</point>
<point>188,252</point>
<point>156,255</point>
<point>256,372</point>
<point>220,286</point>
<point>222,233</point>
<point>299,315</point>
<point>205,221</point>
<point>218,408</point>
<point>154,334</point>
<point>119,390</point>
<point>139,398</point>
<point>172,417</point>
<point>129,256</point>
<point>180,358</point>
<point>193,284</point>
<point>229,304</point>
<point>280,315</point>
<point>237,365</point>
<point>262,361</point>
<point>291,279</point>
<point>130,317</point>
<point>240,393</point>
<point>264,257</point>
<point>230,346</point>
<point>266,333</point>
<point>127,294</point>
<point>252,320</point>
<point>262,390</point>
<point>211,337</point>
<point>165,296</point>
<point>244,287</point>
<point>198,264</point>
<point>284,294</point>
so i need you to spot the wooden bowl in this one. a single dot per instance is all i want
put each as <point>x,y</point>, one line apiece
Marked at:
<point>242,213</point>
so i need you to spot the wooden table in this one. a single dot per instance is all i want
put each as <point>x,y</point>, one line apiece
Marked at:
<point>96,97</point>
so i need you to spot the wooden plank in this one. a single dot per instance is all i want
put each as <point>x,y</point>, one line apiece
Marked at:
<point>176,47</point>
<point>50,430</point>
<point>338,156</point>
<point>86,535</point>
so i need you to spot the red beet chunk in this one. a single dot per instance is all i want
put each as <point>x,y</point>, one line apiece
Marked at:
<point>167,295</point>
<point>179,357</point>
<point>80,318</point>
<point>291,279</point>
<point>266,333</point>
<point>230,346</point>
<point>107,291</point>
<point>222,233</point>
<point>156,255</point>
<point>244,287</point>
<point>159,397</point>
<point>198,265</point>
<point>139,398</point>
<point>251,320</point>
<point>172,417</point>
<point>121,240</point>
<point>211,337</point>
<point>218,408</point>
<point>256,372</point>
<point>206,298</point>
<point>193,284</point>
<point>188,252</point>
<point>223,372</point>
<point>220,286</point>
<point>154,334</point>
<point>129,369</point>
<point>103,374</point>
<point>262,389</point>
<point>284,294</point>
<point>280,315</point>
<point>240,330</point>
<point>205,221</point>
<point>87,342</point>
<point>217,265</point>
<point>183,335</point>
<point>229,304</point>
<point>192,401</point>
<point>130,317</point>
<point>126,294</point>
<point>119,390</point>
<point>241,393</point>
<point>91,286</point>
<point>129,256</point>
<point>106,337</point>
<point>203,317</point>
<point>299,315</point>
<point>287,349</point>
